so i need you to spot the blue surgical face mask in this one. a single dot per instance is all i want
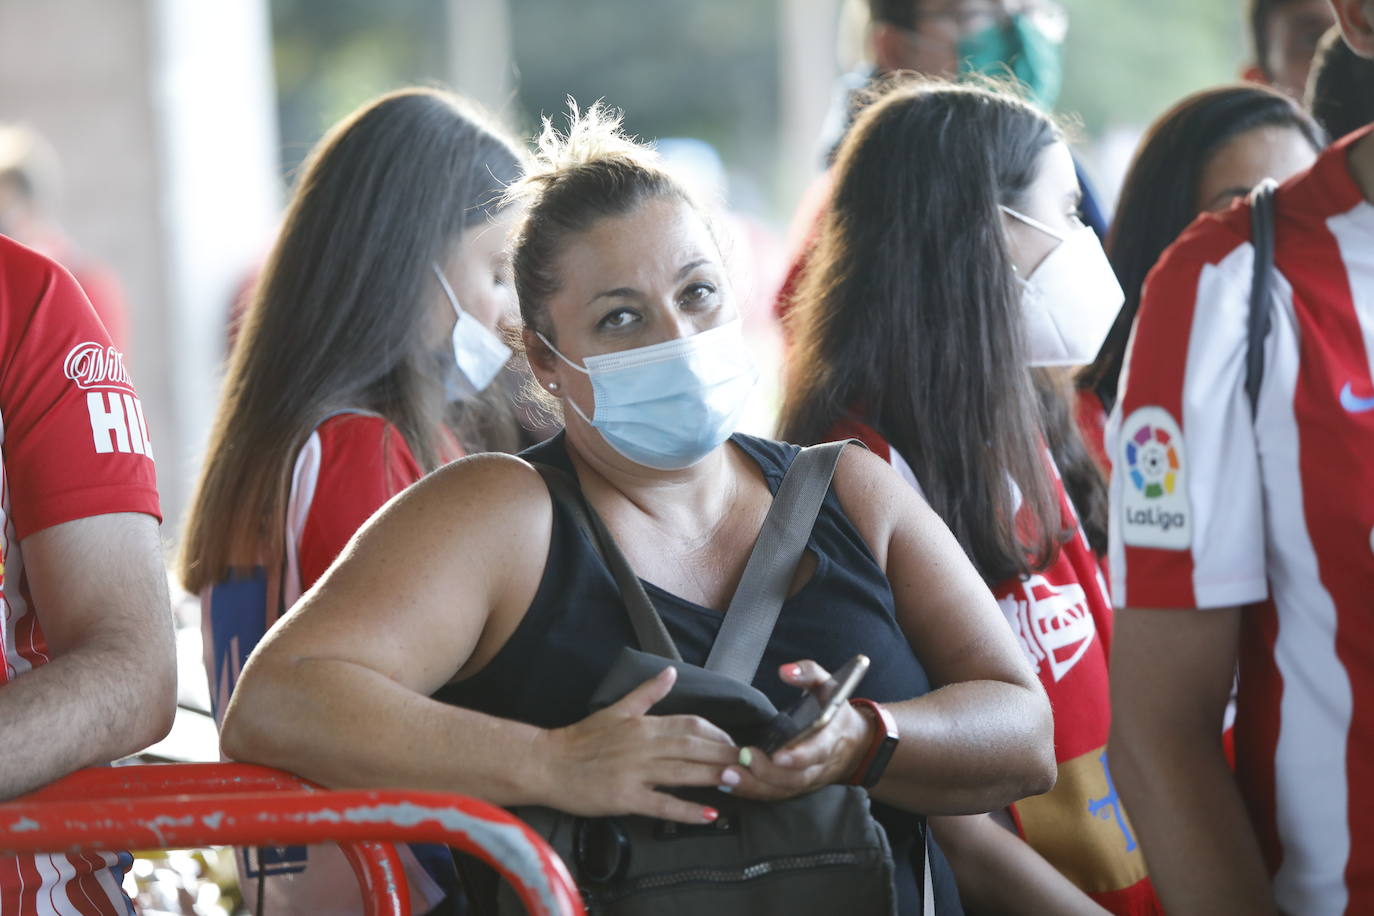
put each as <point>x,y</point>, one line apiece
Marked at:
<point>669,405</point>
<point>1023,45</point>
<point>479,354</point>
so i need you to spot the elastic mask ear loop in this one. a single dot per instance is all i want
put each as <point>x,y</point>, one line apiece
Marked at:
<point>1033,223</point>
<point>569,401</point>
<point>448,290</point>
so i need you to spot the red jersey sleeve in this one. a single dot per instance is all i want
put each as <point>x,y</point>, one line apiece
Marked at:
<point>75,438</point>
<point>363,461</point>
<point>1187,524</point>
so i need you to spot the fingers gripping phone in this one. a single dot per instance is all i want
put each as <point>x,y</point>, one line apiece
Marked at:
<point>818,706</point>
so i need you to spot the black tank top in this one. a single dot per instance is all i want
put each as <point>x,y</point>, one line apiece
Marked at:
<point>577,624</point>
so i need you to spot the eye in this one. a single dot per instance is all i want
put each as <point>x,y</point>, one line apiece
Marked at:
<point>698,293</point>
<point>620,318</point>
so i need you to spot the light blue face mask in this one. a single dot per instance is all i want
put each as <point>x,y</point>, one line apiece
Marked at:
<point>669,405</point>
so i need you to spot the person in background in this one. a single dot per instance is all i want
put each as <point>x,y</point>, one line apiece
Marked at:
<point>87,660</point>
<point>1285,35</point>
<point>501,617</point>
<point>379,304</point>
<point>1202,155</point>
<point>951,271</point>
<point>1335,91</point>
<point>29,181</point>
<point>1240,531</point>
<point>946,39</point>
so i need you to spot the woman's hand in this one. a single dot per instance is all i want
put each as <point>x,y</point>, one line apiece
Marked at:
<point>829,756</point>
<point>613,761</point>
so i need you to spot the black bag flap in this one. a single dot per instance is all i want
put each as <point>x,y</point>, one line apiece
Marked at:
<point>740,710</point>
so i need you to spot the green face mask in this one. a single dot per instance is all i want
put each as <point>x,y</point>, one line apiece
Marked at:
<point>1022,47</point>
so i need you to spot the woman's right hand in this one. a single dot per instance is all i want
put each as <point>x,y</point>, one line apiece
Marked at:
<point>613,761</point>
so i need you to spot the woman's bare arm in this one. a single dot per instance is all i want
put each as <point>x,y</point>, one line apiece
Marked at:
<point>984,738</point>
<point>339,692</point>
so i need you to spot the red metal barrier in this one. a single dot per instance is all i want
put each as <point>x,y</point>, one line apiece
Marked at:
<point>180,805</point>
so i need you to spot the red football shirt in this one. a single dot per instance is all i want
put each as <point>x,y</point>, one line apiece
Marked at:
<point>1063,620</point>
<point>73,443</point>
<point>349,467</point>
<point>1213,509</point>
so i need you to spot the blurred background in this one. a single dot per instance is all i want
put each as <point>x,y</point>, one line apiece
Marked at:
<point>176,125</point>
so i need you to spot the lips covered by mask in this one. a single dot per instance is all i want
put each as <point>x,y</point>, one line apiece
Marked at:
<point>1070,300</point>
<point>669,405</point>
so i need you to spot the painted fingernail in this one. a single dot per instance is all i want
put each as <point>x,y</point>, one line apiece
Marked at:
<point>709,815</point>
<point>730,778</point>
<point>746,757</point>
<point>726,789</point>
<point>794,670</point>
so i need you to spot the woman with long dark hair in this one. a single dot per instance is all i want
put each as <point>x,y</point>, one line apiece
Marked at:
<point>501,618</point>
<point>953,280</point>
<point>1201,156</point>
<point>379,305</point>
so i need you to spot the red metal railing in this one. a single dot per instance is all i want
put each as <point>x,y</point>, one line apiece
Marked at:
<point>231,804</point>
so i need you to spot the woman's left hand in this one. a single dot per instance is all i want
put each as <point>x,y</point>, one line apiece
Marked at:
<point>829,756</point>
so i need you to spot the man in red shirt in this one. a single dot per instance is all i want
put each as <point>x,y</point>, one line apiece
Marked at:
<point>1240,536</point>
<point>87,663</point>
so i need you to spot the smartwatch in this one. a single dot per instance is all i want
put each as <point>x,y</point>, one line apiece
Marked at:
<point>879,753</point>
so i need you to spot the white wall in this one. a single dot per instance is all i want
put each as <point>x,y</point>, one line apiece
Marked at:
<point>164,116</point>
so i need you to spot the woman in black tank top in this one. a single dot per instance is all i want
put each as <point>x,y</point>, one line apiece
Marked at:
<point>474,589</point>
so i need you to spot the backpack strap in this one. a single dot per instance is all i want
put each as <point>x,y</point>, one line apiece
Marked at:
<point>1262,232</point>
<point>650,632</point>
<point>758,599</point>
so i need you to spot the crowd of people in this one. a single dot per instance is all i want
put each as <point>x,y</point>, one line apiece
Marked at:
<point>1102,527</point>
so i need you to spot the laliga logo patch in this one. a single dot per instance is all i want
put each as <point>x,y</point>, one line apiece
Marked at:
<point>1154,504</point>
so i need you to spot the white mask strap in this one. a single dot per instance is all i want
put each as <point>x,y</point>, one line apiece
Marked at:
<point>564,358</point>
<point>1033,223</point>
<point>448,290</point>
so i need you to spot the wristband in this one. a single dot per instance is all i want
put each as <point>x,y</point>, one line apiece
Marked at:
<point>879,753</point>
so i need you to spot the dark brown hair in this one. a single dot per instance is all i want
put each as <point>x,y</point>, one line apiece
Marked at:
<point>910,318</point>
<point>1340,90</point>
<point>339,316</point>
<point>1159,197</point>
<point>592,171</point>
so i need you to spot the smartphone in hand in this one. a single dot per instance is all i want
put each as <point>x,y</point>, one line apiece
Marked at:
<point>818,705</point>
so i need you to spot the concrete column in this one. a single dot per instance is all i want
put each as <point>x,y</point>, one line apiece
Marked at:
<point>479,53</point>
<point>163,113</point>
<point>810,32</point>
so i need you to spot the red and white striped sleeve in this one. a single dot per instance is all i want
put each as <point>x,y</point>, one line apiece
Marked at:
<point>1186,526</point>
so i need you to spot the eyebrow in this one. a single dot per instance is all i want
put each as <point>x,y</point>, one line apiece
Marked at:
<point>626,292</point>
<point>1229,192</point>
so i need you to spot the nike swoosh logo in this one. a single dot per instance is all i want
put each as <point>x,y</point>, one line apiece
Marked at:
<point>1355,404</point>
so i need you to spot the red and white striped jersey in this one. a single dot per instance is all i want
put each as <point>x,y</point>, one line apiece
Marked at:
<point>1213,509</point>
<point>73,444</point>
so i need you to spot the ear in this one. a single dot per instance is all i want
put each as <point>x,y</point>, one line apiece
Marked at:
<point>542,360</point>
<point>1357,25</point>
<point>889,48</point>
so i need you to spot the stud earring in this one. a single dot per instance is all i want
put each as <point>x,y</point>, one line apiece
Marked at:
<point>553,386</point>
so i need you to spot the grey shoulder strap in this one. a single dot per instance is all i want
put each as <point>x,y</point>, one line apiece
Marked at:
<point>754,609</point>
<point>650,632</point>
